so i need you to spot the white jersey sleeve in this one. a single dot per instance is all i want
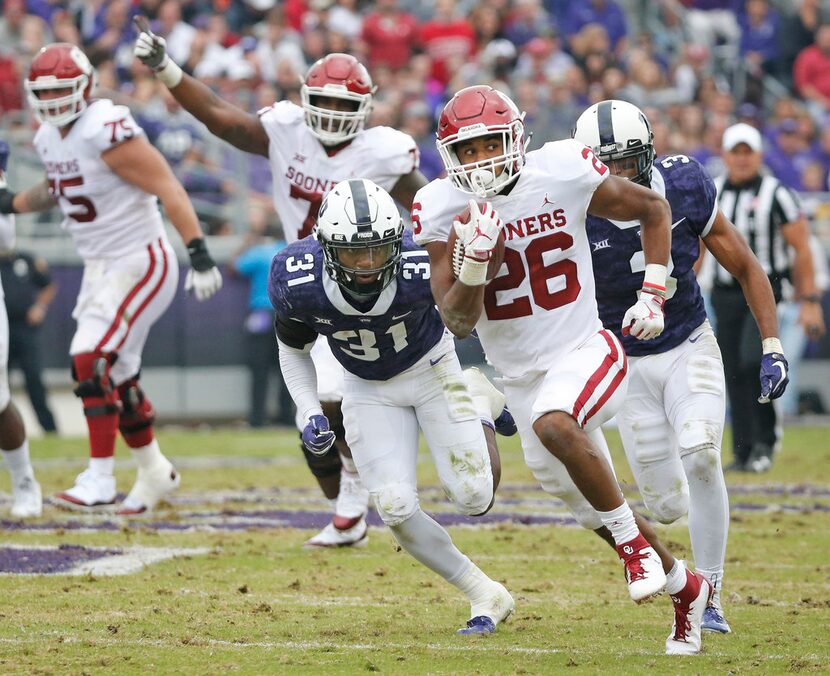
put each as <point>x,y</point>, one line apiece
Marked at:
<point>282,123</point>
<point>434,209</point>
<point>394,154</point>
<point>574,163</point>
<point>108,125</point>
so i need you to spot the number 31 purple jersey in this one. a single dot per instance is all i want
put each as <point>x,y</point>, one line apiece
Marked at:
<point>619,262</point>
<point>377,340</point>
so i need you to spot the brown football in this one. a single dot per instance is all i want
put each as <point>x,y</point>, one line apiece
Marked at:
<point>456,255</point>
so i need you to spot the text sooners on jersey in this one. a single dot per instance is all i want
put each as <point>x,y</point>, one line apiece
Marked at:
<point>303,172</point>
<point>541,304</point>
<point>106,216</point>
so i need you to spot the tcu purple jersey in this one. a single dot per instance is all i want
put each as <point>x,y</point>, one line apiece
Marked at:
<point>619,262</point>
<point>387,335</point>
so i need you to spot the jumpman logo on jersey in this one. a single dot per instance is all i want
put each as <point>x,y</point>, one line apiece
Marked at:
<point>547,201</point>
<point>299,158</point>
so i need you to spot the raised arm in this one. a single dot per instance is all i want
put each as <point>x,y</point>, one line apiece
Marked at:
<point>231,124</point>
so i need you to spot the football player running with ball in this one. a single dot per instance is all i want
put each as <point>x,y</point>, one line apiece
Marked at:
<point>363,284</point>
<point>564,375</point>
<point>671,422</point>
<point>310,148</point>
<point>105,177</point>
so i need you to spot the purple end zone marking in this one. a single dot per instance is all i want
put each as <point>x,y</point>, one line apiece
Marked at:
<point>46,561</point>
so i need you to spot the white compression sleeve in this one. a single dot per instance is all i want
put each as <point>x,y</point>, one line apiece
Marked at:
<point>300,378</point>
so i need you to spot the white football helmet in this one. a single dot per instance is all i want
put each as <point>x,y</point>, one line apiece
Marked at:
<point>615,130</point>
<point>361,232</point>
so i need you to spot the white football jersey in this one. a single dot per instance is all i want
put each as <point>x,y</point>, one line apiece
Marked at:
<point>106,216</point>
<point>541,305</point>
<point>303,172</point>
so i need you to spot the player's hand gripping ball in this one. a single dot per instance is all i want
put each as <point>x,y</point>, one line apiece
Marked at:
<point>478,234</point>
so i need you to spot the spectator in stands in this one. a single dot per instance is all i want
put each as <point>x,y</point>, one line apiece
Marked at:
<point>606,13</point>
<point>812,73</point>
<point>797,32</point>
<point>713,23</point>
<point>278,44</point>
<point>418,122</point>
<point>390,35</point>
<point>759,37</point>
<point>528,20</point>
<point>543,60</point>
<point>29,290</point>
<point>179,35</point>
<point>448,39</point>
<point>789,154</point>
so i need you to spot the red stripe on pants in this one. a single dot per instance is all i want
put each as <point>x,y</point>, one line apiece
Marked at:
<point>596,378</point>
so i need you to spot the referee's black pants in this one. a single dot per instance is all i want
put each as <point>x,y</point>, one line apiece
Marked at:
<point>753,424</point>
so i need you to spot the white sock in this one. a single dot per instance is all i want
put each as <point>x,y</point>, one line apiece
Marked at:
<point>333,504</point>
<point>676,577</point>
<point>620,522</point>
<point>715,578</point>
<point>149,455</point>
<point>103,466</point>
<point>429,543</point>
<point>18,462</point>
<point>478,588</point>
<point>348,464</point>
<point>708,510</point>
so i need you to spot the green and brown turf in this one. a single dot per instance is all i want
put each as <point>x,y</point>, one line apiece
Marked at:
<point>258,603</point>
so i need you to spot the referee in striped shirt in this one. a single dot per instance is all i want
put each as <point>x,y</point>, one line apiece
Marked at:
<point>767,213</point>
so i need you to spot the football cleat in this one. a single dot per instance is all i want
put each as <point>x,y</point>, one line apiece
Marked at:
<point>643,569</point>
<point>352,501</point>
<point>355,536</point>
<point>91,490</point>
<point>714,621</point>
<point>151,486</point>
<point>689,606</point>
<point>498,606</point>
<point>27,501</point>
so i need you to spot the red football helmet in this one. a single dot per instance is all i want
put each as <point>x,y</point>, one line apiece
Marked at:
<point>482,111</point>
<point>339,76</point>
<point>60,66</point>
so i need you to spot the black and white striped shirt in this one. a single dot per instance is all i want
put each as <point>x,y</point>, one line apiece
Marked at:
<point>759,209</point>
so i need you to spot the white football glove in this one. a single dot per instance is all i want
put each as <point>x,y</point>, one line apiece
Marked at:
<point>644,319</point>
<point>151,50</point>
<point>478,238</point>
<point>203,279</point>
<point>203,284</point>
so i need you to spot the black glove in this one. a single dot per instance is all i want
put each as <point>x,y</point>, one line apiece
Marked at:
<point>200,259</point>
<point>6,199</point>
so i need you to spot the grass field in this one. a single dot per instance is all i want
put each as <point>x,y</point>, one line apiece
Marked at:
<point>254,602</point>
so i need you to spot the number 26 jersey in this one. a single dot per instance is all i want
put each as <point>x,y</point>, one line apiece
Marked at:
<point>541,304</point>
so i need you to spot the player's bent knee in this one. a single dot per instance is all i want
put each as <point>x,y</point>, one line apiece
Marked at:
<point>556,430</point>
<point>91,370</point>
<point>702,462</point>
<point>323,466</point>
<point>475,496</point>
<point>395,503</point>
<point>670,507</point>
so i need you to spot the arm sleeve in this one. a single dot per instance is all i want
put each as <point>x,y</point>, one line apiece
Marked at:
<point>294,333</point>
<point>300,378</point>
<point>110,126</point>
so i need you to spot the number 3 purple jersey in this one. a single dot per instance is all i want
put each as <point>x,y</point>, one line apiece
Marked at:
<point>619,263</point>
<point>383,338</point>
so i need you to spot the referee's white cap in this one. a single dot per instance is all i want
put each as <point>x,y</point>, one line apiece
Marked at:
<point>742,133</point>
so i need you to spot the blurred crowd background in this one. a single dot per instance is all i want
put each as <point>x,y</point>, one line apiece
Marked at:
<point>695,66</point>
